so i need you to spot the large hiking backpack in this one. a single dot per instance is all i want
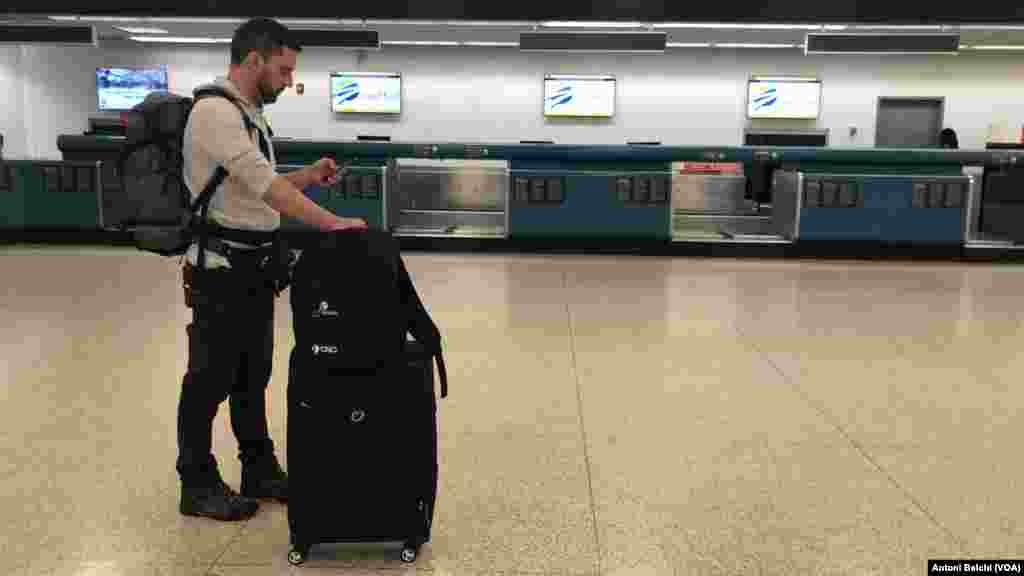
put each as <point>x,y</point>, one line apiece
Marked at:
<point>151,167</point>
<point>354,304</point>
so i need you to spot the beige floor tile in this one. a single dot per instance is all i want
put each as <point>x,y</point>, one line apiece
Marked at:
<point>916,362</point>
<point>937,414</point>
<point>711,464</point>
<point>123,567</point>
<point>81,518</point>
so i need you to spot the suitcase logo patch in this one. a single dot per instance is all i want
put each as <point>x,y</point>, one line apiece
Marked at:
<point>324,349</point>
<point>358,416</point>
<point>324,311</point>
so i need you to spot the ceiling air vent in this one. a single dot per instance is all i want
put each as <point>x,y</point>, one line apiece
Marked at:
<point>618,42</point>
<point>44,34</point>
<point>351,39</point>
<point>825,43</point>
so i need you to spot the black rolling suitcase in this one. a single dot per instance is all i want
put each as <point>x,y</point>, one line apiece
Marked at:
<point>362,411</point>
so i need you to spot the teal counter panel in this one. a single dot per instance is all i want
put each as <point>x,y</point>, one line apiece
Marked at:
<point>841,223</point>
<point>359,195</point>
<point>61,195</point>
<point>890,208</point>
<point>566,204</point>
<point>12,194</point>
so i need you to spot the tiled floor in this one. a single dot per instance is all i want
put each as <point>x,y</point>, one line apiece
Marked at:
<point>624,416</point>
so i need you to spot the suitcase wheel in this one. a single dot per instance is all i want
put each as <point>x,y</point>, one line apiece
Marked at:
<point>298,555</point>
<point>409,553</point>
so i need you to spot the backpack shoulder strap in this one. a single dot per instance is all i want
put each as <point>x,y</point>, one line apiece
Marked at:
<point>211,186</point>
<point>203,199</point>
<point>250,126</point>
<point>218,92</point>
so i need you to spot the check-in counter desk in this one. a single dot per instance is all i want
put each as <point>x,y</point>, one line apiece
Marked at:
<point>361,193</point>
<point>50,194</point>
<point>717,207</point>
<point>449,198</point>
<point>903,208</point>
<point>998,213</point>
<point>550,193</point>
<point>586,200</point>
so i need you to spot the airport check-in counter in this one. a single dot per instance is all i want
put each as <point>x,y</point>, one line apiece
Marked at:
<point>997,214</point>
<point>589,200</point>
<point>916,208</point>
<point>65,195</point>
<point>549,193</point>
<point>448,198</point>
<point>360,193</point>
<point>717,207</point>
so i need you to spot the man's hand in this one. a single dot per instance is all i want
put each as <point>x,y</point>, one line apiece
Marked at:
<point>349,224</point>
<point>324,172</point>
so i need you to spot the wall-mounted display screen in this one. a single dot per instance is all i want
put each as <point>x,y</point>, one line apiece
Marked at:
<point>794,98</point>
<point>119,89</point>
<point>579,96</point>
<point>366,92</point>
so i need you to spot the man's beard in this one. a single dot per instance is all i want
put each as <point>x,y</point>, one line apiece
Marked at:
<point>267,94</point>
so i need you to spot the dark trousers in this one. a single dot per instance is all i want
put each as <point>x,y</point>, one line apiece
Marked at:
<point>230,348</point>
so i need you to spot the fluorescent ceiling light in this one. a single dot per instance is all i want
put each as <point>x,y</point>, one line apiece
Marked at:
<point>460,23</point>
<point>97,19</point>
<point>750,45</point>
<point>579,77</point>
<point>196,20</point>
<point>1007,47</point>
<point>688,45</point>
<point>897,27</point>
<point>730,26</point>
<point>490,43</point>
<point>132,30</point>
<point>309,22</point>
<point>420,43</point>
<point>379,22</point>
<point>181,39</point>
<point>517,24</point>
<point>784,79</point>
<point>139,20</point>
<point>575,24</point>
<point>368,74</point>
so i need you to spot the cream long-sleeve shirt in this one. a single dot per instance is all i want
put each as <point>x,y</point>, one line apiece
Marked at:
<point>215,135</point>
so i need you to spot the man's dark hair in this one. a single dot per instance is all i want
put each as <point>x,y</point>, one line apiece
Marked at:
<point>263,35</point>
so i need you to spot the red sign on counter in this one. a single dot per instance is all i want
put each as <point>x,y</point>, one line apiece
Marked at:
<point>710,168</point>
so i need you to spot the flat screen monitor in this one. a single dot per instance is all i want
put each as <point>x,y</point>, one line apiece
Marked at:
<point>366,92</point>
<point>782,97</point>
<point>579,96</point>
<point>120,89</point>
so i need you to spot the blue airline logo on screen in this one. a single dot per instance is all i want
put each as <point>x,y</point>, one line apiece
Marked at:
<point>563,96</point>
<point>766,98</point>
<point>348,92</point>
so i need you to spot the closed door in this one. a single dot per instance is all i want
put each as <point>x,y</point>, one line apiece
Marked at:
<point>909,122</point>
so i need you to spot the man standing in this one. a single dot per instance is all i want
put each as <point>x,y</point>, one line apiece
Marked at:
<point>231,337</point>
